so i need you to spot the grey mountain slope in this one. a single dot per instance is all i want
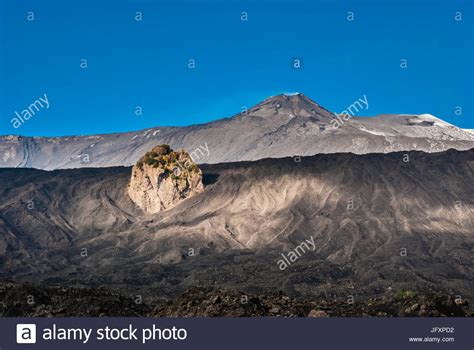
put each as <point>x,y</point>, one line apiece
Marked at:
<point>280,126</point>
<point>361,210</point>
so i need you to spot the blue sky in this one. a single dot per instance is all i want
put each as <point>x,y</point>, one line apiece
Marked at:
<point>238,63</point>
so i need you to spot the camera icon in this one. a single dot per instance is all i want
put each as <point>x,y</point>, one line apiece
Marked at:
<point>26,334</point>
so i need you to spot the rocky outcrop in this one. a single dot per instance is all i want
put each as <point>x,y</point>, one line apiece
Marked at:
<point>162,178</point>
<point>218,302</point>
<point>81,301</point>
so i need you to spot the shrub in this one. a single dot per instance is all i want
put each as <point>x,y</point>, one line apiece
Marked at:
<point>151,161</point>
<point>404,294</point>
<point>163,156</point>
<point>162,149</point>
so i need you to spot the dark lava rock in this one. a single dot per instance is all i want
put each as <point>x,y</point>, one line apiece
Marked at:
<point>29,300</point>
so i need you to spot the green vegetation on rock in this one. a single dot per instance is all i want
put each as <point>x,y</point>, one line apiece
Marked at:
<point>404,294</point>
<point>178,163</point>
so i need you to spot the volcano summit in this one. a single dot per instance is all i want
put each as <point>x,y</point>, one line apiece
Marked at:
<point>280,126</point>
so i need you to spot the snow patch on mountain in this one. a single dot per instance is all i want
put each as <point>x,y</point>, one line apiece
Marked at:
<point>433,119</point>
<point>280,126</point>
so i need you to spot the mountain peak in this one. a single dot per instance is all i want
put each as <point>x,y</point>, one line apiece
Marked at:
<point>288,96</point>
<point>293,104</point>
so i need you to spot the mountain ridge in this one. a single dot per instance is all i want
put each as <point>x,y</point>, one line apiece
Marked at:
<point>279,126</point>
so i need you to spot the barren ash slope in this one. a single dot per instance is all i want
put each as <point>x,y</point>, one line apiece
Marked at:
<point>280,126</point>
<point>378,225</point>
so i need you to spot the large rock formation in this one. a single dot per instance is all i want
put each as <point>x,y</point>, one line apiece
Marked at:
<point>162,178</point>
